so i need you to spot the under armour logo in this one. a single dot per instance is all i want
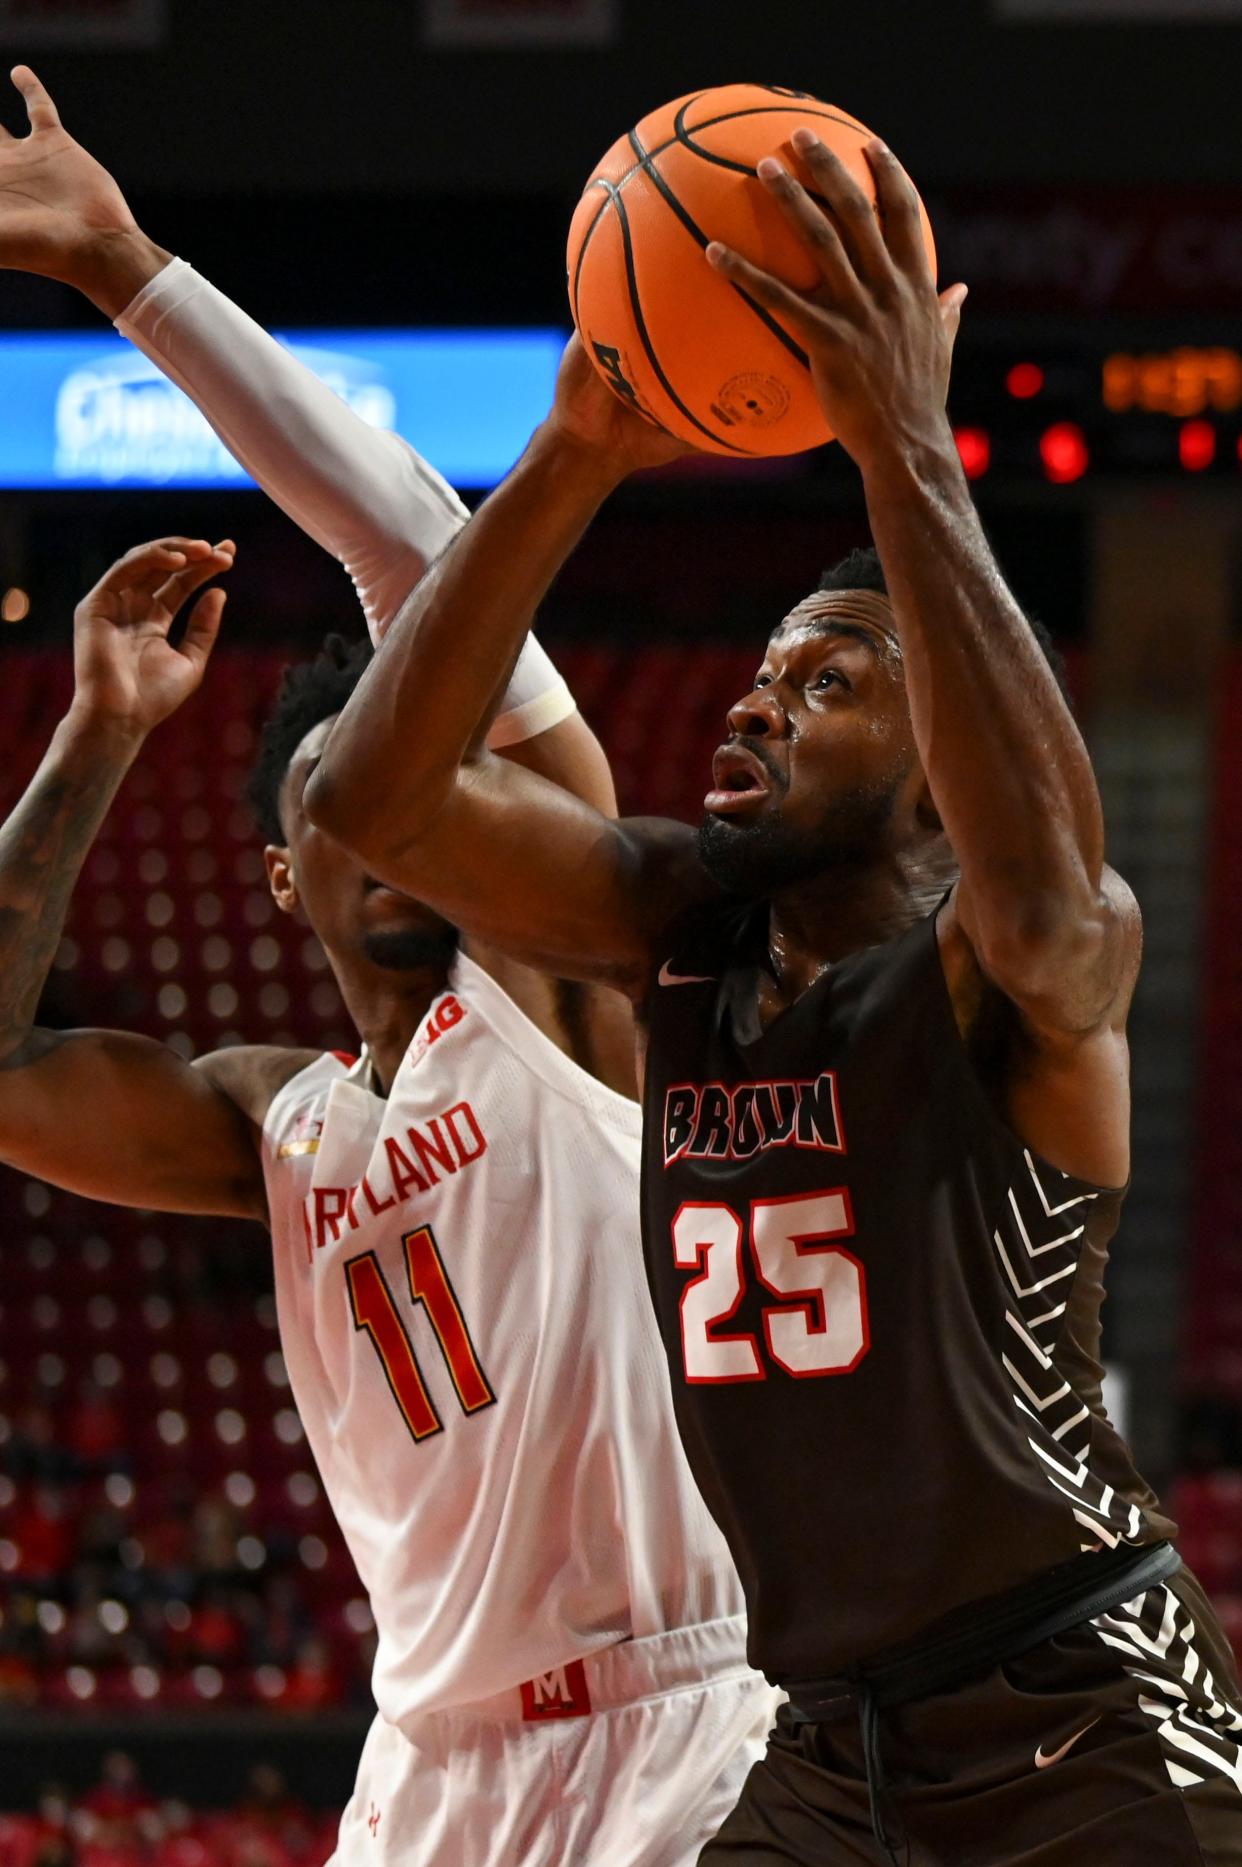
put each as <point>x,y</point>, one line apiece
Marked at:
<point>373,1821</point>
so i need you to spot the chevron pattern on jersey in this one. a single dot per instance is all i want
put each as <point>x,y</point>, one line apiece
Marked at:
<point>1037,1246</point>
<point>1197,1728</point>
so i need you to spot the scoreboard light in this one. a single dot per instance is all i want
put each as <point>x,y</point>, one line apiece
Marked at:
<point>1196,445</point>
<point>1182,382</point>
<point>1076,405</point>
<point>1024,381</point>
<point>1064,452</point>
<point>974,447</point>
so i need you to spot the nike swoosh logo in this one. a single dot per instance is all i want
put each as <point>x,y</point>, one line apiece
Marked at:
<point>1042,1762</point>
<point>666,976</point>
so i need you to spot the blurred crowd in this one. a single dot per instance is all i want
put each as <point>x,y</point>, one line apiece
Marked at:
<point>119,1823</point>
<point>129,1589</point>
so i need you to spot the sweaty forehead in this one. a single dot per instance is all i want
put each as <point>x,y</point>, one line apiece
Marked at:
<point>866,613</point>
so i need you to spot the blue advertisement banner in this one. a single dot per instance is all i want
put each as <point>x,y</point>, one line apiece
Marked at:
<point>78,410</point>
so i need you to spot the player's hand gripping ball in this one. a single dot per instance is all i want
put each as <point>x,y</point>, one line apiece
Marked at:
<point>669,335</point>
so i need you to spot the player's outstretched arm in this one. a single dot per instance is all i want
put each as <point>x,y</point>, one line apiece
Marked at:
<point>105,1113</point>
<point>1009,775</point>
<point>362,493</point>
<point>404,780</point>
<point>359,491</point>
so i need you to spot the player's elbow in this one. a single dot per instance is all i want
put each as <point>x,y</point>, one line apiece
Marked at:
<point>367,820</point>
<point>330,804</point>
<point>357,817</point>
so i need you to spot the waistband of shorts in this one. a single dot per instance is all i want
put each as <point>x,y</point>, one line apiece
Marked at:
<point>1000,1630</point>
<point>625,1673</point>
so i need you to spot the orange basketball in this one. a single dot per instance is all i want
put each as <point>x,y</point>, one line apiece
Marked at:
<point>665,331</point>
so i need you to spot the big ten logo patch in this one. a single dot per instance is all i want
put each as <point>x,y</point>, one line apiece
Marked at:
<point>443,1016</point>
<point>561,1693</point>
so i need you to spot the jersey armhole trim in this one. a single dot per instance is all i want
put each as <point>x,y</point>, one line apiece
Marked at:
<point>539,1053</point>
<point>295,1090</point>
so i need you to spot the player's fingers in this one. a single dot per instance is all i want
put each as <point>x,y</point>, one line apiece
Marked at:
<point>854,214</point>
<point>182,583</point>
<point>40,109</point>
<point>812,226</point>
<point>145,561</point>
<point>152,548</point>
<point>951,303</point>
<point>145,564</point>
<point>899,210</point>
<point>770,292</point>
<point>203,627</point>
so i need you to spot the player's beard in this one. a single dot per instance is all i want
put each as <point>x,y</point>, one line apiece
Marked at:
<point>411,949</point>
<point>768,854</point>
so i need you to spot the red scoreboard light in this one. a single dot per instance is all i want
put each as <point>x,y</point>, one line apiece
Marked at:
<point>1064,452</point>
<point>1196,445</point>
<point>974,447</point>
<point>1024,381</point>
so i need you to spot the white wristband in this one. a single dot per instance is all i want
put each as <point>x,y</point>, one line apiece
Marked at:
<point>536,699</point>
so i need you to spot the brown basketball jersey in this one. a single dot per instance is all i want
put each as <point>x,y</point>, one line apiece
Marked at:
<point>881,1311</point>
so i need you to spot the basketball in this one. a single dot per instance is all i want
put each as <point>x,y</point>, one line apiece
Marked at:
<point>693,352</point>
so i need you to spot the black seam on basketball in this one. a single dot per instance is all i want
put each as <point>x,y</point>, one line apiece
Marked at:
<point>614,196</point>
<point>709,123</point>
<point>684,136</point>
<point>691,225</point>
<point>586,241</point>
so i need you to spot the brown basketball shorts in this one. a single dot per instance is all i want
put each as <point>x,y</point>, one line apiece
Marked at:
<point>1118,1744</point>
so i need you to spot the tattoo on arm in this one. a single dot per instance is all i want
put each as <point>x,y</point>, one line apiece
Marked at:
<point>43,845</point>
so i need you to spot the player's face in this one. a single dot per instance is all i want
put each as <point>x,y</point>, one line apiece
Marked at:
<point>820,771</point>
<point>355,917</point>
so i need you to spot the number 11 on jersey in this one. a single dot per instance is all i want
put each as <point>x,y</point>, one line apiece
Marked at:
<point>375,1310</point>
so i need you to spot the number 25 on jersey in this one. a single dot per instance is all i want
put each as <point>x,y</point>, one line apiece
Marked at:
<point>820,1325</point>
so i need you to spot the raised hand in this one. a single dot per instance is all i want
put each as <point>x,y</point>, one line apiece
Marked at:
<point>880,341</point>
<point>127,673</point>
<point>61,213</point>
<point>590,415</point>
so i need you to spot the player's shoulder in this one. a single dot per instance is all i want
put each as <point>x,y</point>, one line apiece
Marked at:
<point>676,896</point>
<point>253,1075</point>
<point>665,847</point>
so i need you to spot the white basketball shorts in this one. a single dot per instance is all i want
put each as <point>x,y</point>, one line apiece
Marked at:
<point>533,1778</point>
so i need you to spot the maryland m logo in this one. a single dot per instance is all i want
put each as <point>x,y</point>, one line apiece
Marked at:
<point>561,1693</point>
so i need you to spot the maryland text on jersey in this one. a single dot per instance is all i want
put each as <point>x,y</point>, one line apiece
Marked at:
<point>443,1145</point>
<point>710,1121</point>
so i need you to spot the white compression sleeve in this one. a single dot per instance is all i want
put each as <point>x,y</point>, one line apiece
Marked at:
<point>361,492</point>
<point>358,491</point>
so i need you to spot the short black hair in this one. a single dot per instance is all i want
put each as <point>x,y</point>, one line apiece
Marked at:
<point>309,692</point>
<point>862,570</point>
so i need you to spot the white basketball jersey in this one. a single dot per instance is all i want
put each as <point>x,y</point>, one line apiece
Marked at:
<point>465,1317</point>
